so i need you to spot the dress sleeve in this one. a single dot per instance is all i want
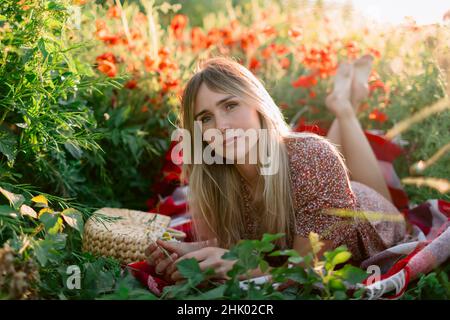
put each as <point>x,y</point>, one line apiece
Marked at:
<point>320,182</point>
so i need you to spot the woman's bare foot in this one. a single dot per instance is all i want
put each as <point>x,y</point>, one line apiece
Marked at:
<point>360,87</point>
<point>339,100</point>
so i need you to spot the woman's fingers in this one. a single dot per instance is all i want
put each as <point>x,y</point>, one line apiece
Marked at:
<point>176,276</point>
<point>171,269</point>
<point>152,247</point>
<point>169,246</point>
<point>155,256</point>
<point>163,264</point>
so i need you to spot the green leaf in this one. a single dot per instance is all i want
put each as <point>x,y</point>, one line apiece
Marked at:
<point>295,260</point>
<point>190,269</point>
<point>41,46</point>
<point>216,293</point>
<point>351,274</point>
<point>7,211</point>
<point>15,200</point>
<point>8,145</point>
<point>52,222</point>
<point>263,265</point>
<point>290,253</point>
<point>271,237</point>
<point>74,219</point>
<point>341,257</point>
<point>50,249</point>
<point>53,6</point>
<point>336,284</point>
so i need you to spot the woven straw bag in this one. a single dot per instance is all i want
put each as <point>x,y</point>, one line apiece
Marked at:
<point>127,235</point>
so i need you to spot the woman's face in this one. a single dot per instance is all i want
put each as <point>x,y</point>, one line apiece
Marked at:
<point>226,112</point>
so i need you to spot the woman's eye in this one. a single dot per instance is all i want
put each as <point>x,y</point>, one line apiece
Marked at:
<point>231,106</point>
<point>205,119</point>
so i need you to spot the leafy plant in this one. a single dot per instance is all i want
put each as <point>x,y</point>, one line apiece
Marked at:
<point>309,277</point>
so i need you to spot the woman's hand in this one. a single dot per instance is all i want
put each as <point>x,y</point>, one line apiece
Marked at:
<point>210,257</point>
<point>162,260</point>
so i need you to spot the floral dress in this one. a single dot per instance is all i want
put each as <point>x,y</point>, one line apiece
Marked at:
<point>319,181</point>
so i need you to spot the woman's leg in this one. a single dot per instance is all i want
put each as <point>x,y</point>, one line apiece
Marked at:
<point>359,157</point>
<point>334,136</point>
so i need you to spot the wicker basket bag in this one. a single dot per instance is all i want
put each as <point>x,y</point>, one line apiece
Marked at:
<point>126,236</point>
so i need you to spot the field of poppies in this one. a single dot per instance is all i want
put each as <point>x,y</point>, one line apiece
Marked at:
<point>89,94</point>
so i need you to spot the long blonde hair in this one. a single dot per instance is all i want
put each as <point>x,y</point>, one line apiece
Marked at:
<point>215,188</point>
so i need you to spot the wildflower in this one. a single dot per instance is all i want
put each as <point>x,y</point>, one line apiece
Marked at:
<point>131,84</point>
<point>352,49</point>
<point>379,116</point>
<point>107,64</point>
<point>254,64</point>
<point>113,12</point>
<point>148,63</point>
<point>285,63</point>
<point>305,81</point>
<point>198,39</point>
<point>103,34</point>
<point>269,31</point>
<point>178,25</point>
<point>213,37</point>
<point>248,41</point>
<point>377,84</point>
<point>295,33</point>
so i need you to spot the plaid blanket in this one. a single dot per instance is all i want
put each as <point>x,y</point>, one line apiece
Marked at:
<point>427,247</point>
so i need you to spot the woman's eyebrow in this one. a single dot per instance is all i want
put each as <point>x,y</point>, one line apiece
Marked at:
<point>218,103</point>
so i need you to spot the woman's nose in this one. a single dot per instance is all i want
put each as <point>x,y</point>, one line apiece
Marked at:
<point>222,124</point>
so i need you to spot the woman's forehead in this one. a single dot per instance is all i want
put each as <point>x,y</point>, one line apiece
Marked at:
<point>208,98</point>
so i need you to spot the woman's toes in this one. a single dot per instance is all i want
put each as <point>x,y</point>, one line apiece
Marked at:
<point>340,96</point>
<point>361,73</point>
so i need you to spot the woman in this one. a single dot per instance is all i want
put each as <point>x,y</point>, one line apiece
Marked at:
<point>235,201</point>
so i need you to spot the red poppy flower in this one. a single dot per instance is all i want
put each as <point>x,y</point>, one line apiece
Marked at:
<point>107,64</point>
<point>254,64</point>
<point>267,51</point>
<point>213,37</point>
<point>198,39</point>
<point>376,53</point>
<point>379,116</point>
<point>285,63</point>
<point>295,33</point>
<point>113,12</point>
<point>178,25</point>
<point>377,84</point>
<point>103,33</point>
<point>248,41</point>
<point>269,31</point>
<point>305,81</point>
<point>149,63</point>
<point>352,49</point>
<point>131,84</point>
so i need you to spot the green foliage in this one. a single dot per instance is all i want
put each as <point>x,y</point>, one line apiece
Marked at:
<point>51,239</point>
<point>312,279</point>
<point>432,286</point>
<point>53,132</point>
